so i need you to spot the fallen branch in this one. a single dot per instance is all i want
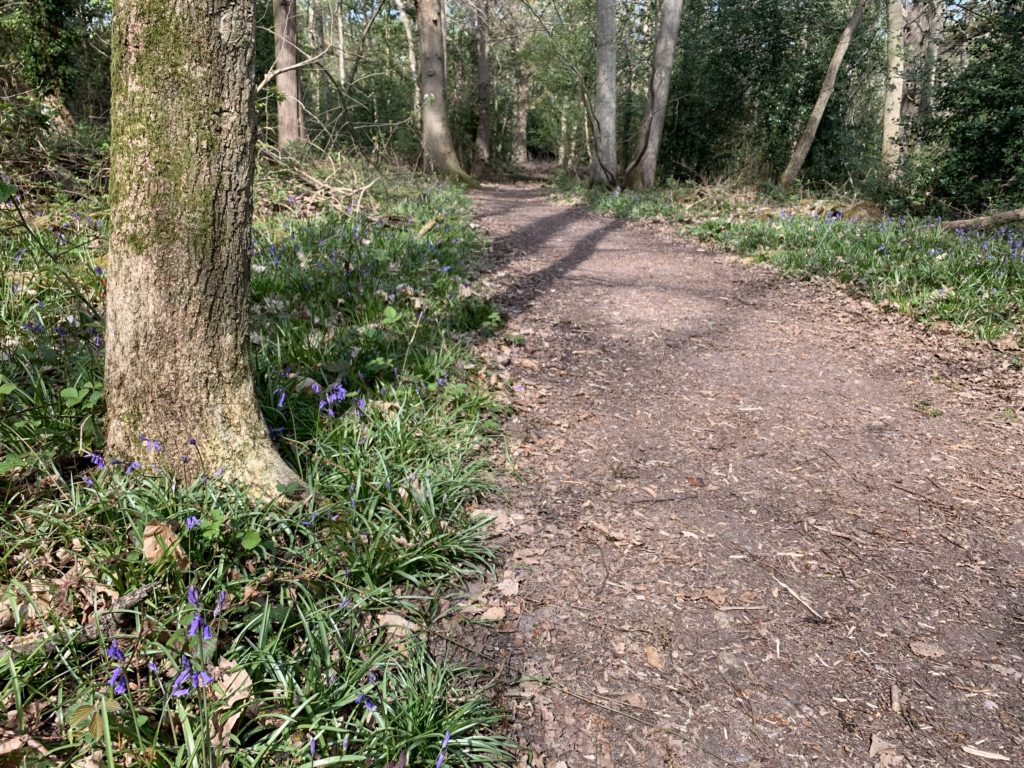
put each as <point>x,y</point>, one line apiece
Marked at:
<point>980,222</point>
<point>304,63</point>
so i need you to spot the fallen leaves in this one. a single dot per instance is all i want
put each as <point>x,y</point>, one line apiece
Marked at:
<point>654,658</point>
<point>232,688</point>
<point>158,540</point>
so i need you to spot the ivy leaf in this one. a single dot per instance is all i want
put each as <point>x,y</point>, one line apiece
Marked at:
<point>390,315</point>
<point>251,540</point>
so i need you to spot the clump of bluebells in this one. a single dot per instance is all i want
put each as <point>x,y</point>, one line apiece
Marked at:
<point>359,341</point>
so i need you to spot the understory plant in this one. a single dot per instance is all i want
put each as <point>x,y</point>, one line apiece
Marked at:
<point>143,621</point>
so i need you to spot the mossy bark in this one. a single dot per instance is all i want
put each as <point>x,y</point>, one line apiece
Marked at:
<point>182,154</point>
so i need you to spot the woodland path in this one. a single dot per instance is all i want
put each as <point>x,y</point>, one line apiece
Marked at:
<point>743,532</point>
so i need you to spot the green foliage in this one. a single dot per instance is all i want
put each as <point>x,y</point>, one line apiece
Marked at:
<point>309,613</point>
<point>976,131</point>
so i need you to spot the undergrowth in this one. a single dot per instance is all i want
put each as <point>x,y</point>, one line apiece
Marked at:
<point>252,634</point>
<point>971,279</point>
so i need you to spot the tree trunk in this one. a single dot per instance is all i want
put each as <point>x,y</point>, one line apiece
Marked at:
<point>290,123</point>
<point>438,150</point>
<point>484,91</point>
<point>315,20</point>
<point>182,153</point>
<point>645,163</point>
<point>803,146</point>
<point>895,79</point>
<point>604,164</point>
<point>339,36</point>
<point>520,152</point>
<point>410,48</point>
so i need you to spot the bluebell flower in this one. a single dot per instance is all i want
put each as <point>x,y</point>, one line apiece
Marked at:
<point>366,701</point>
<point>96,459</point>
<point>114,652</point>
<point>220,603</point>
<point>117,681</point>
<point>191,522</point>
<point>444,746</point>
<point>151,444</point>
<point>132,466</point>
<point>280,399</point>
<point>193,595</point>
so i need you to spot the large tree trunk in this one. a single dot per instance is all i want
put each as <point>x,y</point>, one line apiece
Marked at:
<point>410,49</point>
<point>484,91</point>
<point>315,20</point>
<point>604,164</point>
<point>290,123</point>
<point>803,146</point>
<point>438,150</point>
<point>338,12</point>
<point>895,79</point>
<point>182,152</point>
<point>645,163</point>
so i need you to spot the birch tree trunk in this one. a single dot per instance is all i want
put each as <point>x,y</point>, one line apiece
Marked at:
<point>290,123</point>
<point>604,164</point>
<point>484,90</point>
<point>892,113</point>
<point>645,163</point>
<point>828,85</point>
<point>177,313</point>
<point>439,154</point>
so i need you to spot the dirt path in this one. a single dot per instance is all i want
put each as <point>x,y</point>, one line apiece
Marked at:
<point>745,534</point>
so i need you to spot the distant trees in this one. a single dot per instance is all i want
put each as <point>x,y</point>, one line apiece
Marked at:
<point>178,380</point>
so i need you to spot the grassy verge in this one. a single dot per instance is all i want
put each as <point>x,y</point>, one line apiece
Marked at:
<point>974,280</point>
<point>253,635</point>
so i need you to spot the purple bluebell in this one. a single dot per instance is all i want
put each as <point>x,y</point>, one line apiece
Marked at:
<point>151,444</point>
<point>366,701</point>
<point>191,521</point>
<point>114,652</point>
<point>444,745</point>
<point>117,681</point>
<point>132,466</point>
<point>193,595</point>
<point>96,459</point>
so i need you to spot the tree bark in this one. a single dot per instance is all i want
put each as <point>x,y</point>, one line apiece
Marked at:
<point>182,153</point>
<point>439,154</point>
<point>604,163</point>
<point>645,164</point>
<point>892,114</point>
<point>980,222</point>
<point>828,85</point>
<point>484,90</point>
<point>291,126</point>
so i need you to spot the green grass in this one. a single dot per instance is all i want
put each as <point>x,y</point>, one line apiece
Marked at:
<point>973,280</point>
<point>287,608</point>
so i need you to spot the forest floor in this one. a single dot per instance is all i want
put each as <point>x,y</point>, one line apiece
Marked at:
<point>755,521</point>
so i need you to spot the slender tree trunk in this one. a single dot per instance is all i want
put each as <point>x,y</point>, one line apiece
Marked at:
<point>803,146</point>
<point>895,79</point>
<point>563,135</point>
<point>182,153</point>
<point>290,123</point>
<point>410,48</point>
<point>604,163</point>
<point>315,20</point>
<point>645,163</point>
<point>439,154</point>
<point>338,12</point>
<point>520,153</point>
<point>484,91</point>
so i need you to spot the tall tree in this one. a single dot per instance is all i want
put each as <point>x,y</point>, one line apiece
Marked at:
<point>892,117</point>
<point>410,49</point>
<point>645,164</point>
<point>484,89</point>
<point>828,85</point>
<point>181,168</point>
<point>439,154</point>
<point>604,164</point>
<point>291,125</point>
